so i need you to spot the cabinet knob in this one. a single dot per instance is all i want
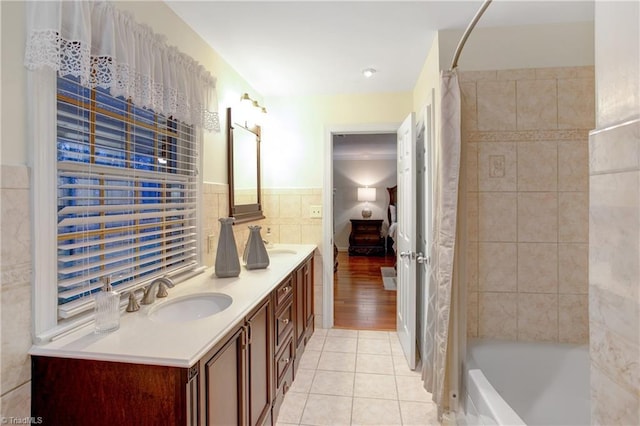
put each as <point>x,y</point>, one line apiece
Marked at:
<point>285,321</point>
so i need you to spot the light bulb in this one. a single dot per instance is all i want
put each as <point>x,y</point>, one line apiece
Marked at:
<point>368,72</point>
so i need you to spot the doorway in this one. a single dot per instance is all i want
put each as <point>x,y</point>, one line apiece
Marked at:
<point>364,167</point>
<point>352,210</point>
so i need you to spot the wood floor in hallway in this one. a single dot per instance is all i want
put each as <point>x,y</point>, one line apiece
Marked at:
<point>360,300</point>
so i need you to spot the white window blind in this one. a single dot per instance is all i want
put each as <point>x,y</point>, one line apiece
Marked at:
<point>127,192</point>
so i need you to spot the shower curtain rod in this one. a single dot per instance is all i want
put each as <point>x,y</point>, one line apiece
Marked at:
<point>467,32</point>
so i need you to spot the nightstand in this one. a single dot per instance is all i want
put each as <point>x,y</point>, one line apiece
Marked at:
<point>365,238</point>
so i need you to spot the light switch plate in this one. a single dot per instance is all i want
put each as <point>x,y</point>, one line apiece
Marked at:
<point>316,211</point>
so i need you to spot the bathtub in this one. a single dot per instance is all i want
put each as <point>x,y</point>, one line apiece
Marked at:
<point>524,383</point>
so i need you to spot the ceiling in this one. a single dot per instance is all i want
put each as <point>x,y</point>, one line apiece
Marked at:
<point>321,47</point>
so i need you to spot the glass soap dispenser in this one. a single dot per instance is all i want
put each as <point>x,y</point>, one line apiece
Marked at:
<point>255,253</point>
<point>107,308</point>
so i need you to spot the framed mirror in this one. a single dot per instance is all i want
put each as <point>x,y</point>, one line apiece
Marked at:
<point>243,164</point>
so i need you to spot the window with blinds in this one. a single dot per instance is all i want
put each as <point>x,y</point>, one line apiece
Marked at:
<point>127,195</point>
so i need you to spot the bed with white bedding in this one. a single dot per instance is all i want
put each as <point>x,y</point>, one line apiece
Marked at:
<point>392,216</point>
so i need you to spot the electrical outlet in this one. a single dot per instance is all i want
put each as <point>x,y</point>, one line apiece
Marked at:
<point>316,211</point>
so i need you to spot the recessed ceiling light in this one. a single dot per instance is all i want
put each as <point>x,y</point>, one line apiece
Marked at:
<point>368,72</point>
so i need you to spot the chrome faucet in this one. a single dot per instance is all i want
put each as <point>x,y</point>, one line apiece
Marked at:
<point>150,295</point>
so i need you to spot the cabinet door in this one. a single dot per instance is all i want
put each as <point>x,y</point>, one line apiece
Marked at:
<point>308,296</point>
<point>299,302</point>
<point>224,383</point>
<point>260,356</point>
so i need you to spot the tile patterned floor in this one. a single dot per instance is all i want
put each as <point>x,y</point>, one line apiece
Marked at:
<point>356,377</point>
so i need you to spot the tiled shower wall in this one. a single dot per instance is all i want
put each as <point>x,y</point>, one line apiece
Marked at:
<point>15,229</point>
<point>525,140</point>
<point>287,221</point>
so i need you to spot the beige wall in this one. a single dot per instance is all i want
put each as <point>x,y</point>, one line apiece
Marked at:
<point>428,83</point>
<point>293,149</point>
<point>295,133</point>
<point>13,144</point>
<point>230,85</point>
<point>286,210</point>
<point>614,209</point>
<point>525,137</point>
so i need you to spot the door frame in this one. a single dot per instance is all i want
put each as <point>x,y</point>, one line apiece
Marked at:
<point>327,206</point>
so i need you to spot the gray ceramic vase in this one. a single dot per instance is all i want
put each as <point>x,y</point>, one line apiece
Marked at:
<point>255,253</point>
<point>227,261</point>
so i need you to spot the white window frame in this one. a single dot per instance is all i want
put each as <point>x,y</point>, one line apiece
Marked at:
<point>42,111</point>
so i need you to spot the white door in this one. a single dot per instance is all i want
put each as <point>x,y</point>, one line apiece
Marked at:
<point>406,244</point>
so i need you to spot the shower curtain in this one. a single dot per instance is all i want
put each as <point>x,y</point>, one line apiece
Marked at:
<point>437,357</point>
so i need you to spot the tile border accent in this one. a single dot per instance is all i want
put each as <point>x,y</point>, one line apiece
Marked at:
<point>526,135</point>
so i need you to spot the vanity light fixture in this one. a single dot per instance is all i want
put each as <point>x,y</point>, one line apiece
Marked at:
<point>369,72</point>
<point>252,109</point>
<point>245,99</point>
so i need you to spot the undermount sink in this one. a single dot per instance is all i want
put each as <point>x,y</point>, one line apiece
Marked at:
<point>280,251</point>
<point>190,308</point>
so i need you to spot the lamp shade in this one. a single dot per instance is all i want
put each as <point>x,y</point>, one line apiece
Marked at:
<point>366,194</point>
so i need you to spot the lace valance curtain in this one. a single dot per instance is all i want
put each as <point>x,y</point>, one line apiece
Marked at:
<point>106,48</point>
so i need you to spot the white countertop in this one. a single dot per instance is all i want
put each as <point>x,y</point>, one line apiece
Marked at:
<point>143,341</point>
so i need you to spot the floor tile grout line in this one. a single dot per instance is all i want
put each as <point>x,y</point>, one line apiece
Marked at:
<point>355,372</point>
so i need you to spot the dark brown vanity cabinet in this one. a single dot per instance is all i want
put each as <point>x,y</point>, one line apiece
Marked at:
<point>231,385</point>
<point>285,348</point>
<point>242,380</point>
<point>237,375</point>
<point>223,387</point>
<point>67,391</point>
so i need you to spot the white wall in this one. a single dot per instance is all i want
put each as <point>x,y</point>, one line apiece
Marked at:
<point>529,46</point>
<point>617,47</point>
<point>348,175</point>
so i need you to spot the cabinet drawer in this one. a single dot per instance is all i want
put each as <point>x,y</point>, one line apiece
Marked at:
<point>284,361</point>
<point>284,324</point>
<point>373,229</point>
<point>368,239</point>
<point>284,291</point>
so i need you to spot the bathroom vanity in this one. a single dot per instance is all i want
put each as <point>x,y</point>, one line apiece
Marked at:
<point>164,367</point>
